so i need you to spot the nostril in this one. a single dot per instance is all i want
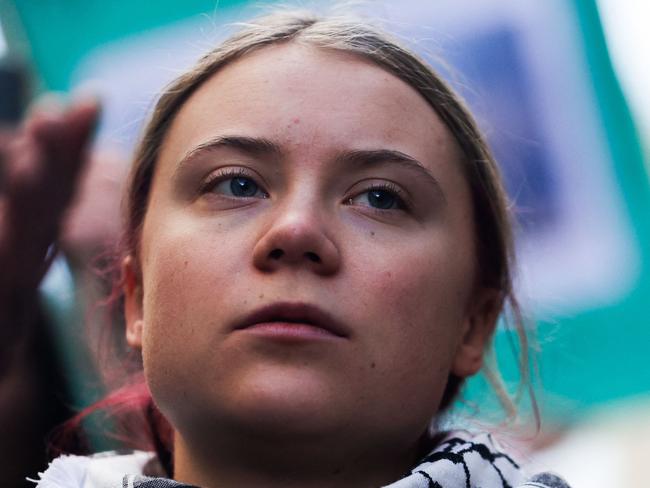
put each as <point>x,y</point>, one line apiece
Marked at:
<point>312,256</point>
<point>276,254</point>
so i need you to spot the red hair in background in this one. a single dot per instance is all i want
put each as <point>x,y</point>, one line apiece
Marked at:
<point>127,415</point>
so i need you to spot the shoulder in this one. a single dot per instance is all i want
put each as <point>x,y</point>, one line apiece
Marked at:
<point>464,459</point>
<point>104,470</point>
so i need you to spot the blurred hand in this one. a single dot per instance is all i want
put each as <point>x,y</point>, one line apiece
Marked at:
<point>91,228</point>
<point>39,168</point>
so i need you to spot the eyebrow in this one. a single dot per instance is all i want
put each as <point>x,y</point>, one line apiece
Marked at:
<point>250,145</point>
<point>374,157</point>
<point>259,146</point>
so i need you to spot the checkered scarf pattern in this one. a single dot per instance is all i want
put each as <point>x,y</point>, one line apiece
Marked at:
<point>459,461</point>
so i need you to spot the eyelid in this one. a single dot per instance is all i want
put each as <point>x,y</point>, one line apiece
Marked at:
<point>226,172</point>
<point>387,185</point>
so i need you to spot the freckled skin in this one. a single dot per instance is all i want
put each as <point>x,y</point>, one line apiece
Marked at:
<point>404,286</point>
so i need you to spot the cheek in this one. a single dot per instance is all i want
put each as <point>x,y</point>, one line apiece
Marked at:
<point>416,299</point>
<point>432,277</point>
<point>186,283</point>
<point>176,278</point>
<point>169,331</point>
<point>189,265</point>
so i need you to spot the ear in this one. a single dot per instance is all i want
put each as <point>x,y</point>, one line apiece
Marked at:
<point>132,281</point>
<point>478,328</point>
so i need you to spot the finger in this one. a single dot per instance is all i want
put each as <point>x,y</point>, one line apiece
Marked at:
<point>60,142</point>
<point>48,103</point>
<point>46,162</point>
<point>66,134</point>
<point>45,158</point>
<point>24,153</point>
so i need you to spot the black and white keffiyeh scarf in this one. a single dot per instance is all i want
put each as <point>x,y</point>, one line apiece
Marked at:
<point>459,461</point>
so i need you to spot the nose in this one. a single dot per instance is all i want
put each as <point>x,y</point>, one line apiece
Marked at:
<point>297,238</point>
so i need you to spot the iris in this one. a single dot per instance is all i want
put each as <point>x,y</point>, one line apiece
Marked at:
<point>382,199</point>
<point>243,187</point>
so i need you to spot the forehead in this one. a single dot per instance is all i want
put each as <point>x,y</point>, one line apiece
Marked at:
<point>311,100</point>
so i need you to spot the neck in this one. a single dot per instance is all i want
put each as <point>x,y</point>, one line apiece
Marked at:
<point>220,464</point>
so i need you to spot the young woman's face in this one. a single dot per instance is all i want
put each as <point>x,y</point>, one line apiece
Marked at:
<point>308,254</point>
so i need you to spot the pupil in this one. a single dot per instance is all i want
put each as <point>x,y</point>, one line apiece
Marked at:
<point>381,199</point>
<point>243,187</point>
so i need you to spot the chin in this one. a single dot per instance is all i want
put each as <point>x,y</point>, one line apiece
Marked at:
<point>276,404</point>
<point>296,398</point>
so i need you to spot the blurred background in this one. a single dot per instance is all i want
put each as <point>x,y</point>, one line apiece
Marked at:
<point>560,87</point>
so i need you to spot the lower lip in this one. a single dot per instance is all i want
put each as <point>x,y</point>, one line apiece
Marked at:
<point>289,331</point>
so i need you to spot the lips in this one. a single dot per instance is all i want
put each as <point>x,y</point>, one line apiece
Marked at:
<point>298,313</point>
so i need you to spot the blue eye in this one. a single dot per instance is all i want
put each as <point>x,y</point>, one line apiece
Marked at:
<point>380,199</point>
<point>243,187</point>
<point>236,186</point>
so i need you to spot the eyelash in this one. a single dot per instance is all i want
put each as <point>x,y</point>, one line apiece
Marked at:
<point>397,192</point>
<point>226,173</point>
